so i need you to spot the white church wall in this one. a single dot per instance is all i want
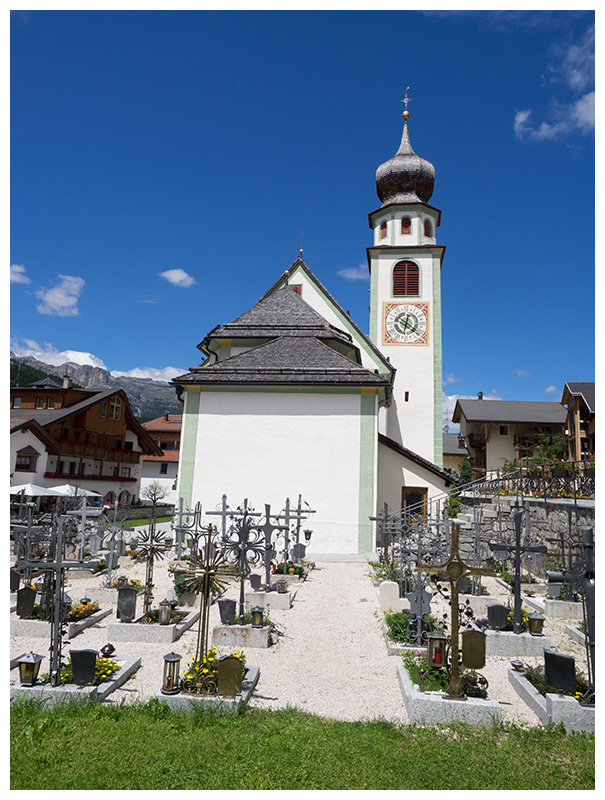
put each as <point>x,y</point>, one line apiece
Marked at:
<point>395,472</point>
<point>269,445</point>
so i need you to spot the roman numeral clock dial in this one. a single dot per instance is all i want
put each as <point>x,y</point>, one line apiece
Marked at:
<point>406,323</point>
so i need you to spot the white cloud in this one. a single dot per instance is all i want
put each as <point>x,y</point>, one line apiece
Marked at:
<point>164,374</point>
<point>148,298</point>
<point>50,355</point>
<point>178,277</point>
<point>573,66</point>
<point>551,390</point>
<point>360,273</point>
<point>449,378</point>
<point>62,299</point>
<point>521,373</point>
<point>18,274</point>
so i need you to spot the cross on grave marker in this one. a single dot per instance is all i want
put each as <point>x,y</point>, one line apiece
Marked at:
<point>455,569</point>
<point>517,549</point>
<point>84,513</point>
<point>111,560</point>
<point>566,542</point>
<point>178,526</point>
<point>386,529</point>
<point>57,570</point>
<point>206,577</point>
<point>301,515</point>
<point>243,546</point>
<point>224,512</point>
<point>152,546</point>
<point>586,581</point>
<point>25,535</point>
<point>193,527</point>
<point>290,515</point>
<point>267,528</point>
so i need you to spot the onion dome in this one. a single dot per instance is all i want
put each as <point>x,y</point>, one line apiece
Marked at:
<point>405,178</point>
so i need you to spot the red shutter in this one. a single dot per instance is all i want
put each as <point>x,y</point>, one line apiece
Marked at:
<point>383,230</point>
<point>406,279</point>
<point>406,225</point>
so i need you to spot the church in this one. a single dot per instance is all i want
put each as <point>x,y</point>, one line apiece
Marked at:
<point>293,398</point>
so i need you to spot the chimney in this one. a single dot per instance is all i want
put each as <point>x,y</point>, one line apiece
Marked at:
<point>66,382</point>
<point>480,395</point>
<point>166,415</point>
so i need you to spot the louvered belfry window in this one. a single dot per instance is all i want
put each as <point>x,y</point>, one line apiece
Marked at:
<point>383,230</point>
<point>406,225</point>
<point>406,279</point>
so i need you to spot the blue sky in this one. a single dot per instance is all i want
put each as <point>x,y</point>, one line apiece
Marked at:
<point>164,165</point>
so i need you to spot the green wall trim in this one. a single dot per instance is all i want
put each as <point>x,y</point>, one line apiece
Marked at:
<point>191,417</point>
<point>367,446</point>
<point>437,366</point>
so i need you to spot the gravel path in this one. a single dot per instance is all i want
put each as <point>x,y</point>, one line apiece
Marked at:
<point>331,659</point>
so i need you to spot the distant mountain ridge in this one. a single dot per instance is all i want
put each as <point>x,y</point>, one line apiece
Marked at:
<point>148,398</point>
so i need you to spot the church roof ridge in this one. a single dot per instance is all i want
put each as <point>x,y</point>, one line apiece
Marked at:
<point>287,359</point>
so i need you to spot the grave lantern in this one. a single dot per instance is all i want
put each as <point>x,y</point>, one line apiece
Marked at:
<point>517,665</point>
<point>555,584</point>
<point>536,624</point>
<point>436,644</point>
<point>307,535</point>
<point>122,581</point>
<point>83,664</point>
<point>84,600</point>
<point>29,667</point>
<point>171,680</point>
<point>164,615</point>
<point>282,586</point>
<point>257,617</point>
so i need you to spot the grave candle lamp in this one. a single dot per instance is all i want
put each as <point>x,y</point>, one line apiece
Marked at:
<point>307,535</point>
<point>164,615</point>
<point>436,644</point>
<point>171,680</point>
<point>282,586</point>
<point>257,617</point>
<point>29,668</point>
<point>536,624</point>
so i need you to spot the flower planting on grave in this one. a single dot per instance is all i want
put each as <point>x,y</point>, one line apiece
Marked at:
<point>104,669</point>
<point>289,569</point>
<point>535,675</point>
<point>83,610</point>
<point>131,583</point>
<point>153,616</point>
<point>201,674</point>
<point>435,679</point>
<point>483,623</point>
<point>402,626</point>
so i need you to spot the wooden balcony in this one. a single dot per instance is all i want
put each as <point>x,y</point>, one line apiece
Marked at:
<point>99,452</point>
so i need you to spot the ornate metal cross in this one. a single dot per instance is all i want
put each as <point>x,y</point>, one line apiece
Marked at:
<point>244,546</point>
<point>267,528</point>
<point>207,576</point>
<point>152,546</point>
<point>57,569</point>
<point>406,99</point>
<point>455,569</point>
<point>517,549</point>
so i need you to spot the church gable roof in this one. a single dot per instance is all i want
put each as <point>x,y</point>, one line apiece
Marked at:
<point>283,313</point>
<point>359,337</point>
<point>295,360</point>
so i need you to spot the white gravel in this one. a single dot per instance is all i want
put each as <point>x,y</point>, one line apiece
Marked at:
<point>331,660</point>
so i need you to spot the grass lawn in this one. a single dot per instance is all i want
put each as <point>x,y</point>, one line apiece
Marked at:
<point>148,747</point>
<point>145,521</point>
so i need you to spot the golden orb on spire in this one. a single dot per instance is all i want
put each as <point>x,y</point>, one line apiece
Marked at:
<point>406,100</point>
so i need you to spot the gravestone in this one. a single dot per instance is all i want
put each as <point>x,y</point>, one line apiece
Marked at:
<point>389,596</point>
<point>226,608</point>
<point>14,581</point>
<point>560,671</point>
<point>298,552</point>
<point>26,597</point>
<point>255,582</point>
<point>230,676</point>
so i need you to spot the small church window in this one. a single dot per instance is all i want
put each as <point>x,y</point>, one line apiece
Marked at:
<point>406,279</point>
<point>383,230</point>
<point>407,396</point>
<point>428,230</point>
<point>406,225</point>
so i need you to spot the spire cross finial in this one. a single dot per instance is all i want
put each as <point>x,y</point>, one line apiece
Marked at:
<point>302,241</point>
<point>406,100</point>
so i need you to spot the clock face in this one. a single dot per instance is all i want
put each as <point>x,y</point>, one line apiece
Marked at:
<point>406,323</point>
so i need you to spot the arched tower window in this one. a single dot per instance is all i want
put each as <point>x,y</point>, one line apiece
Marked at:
<point>428,229</point>
<point>383,230</point>
<point>406,279</point>
<point>406,225</point>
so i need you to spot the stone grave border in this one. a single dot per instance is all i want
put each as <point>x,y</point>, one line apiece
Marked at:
<point>40,627</point>
<point>432,708</point>
<point>228,706</point>
<point>278,601</point>
<point>514,645</point>
<point>537,588</point>
<point>51,695</point>
<point>553,708</point>
<point>560,609</point>
<point>397,648</point>
<point>150,633</point>
<point>241,636</point>
<point>576,635</point>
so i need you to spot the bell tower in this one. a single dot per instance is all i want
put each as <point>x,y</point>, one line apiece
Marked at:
<point>405,297</point>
